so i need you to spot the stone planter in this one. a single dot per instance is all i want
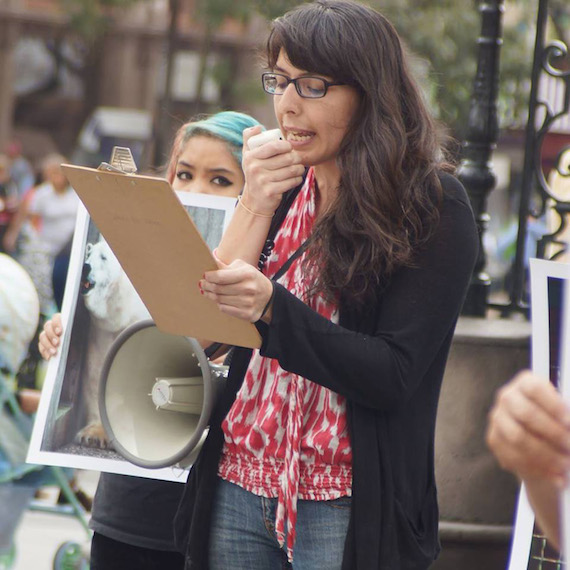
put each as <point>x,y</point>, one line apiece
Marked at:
<point>477,499</point>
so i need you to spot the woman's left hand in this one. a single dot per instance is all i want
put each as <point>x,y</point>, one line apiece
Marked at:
<point>240,290</point>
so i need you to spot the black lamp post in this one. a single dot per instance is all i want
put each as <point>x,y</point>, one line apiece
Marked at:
<point>475,170</point>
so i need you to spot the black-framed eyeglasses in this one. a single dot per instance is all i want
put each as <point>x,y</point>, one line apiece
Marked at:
<point>307,86</point>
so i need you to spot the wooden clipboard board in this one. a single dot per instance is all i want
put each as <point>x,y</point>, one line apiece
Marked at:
<point>160,249</point>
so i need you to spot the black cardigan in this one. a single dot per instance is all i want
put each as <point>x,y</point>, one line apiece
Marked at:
<point>388,361</point>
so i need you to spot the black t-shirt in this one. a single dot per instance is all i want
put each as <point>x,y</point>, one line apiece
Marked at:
<point>135,510</point>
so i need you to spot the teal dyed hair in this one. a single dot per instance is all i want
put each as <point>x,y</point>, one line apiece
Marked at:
<point>226,126</point>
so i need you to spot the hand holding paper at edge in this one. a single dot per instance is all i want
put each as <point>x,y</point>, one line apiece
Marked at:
<point>160,249</point>
<point>528,431</point>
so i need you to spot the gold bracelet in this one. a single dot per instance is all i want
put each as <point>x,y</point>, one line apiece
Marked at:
<point>259,215</point>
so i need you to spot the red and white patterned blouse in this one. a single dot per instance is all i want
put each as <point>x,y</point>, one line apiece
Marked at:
<point>286,436</point>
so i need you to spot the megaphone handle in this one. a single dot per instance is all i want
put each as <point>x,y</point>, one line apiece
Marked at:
<point>209,351</point>
<point>218,351</point>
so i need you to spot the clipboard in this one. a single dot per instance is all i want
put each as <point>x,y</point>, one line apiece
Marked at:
<point>161,251</point>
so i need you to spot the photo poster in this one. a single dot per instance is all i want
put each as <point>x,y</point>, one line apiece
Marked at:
<point>99,303</point>
<point>549,285</point>
<point>565,389</point>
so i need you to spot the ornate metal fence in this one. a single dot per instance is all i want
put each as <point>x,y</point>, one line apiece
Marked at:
<point>475,169</point>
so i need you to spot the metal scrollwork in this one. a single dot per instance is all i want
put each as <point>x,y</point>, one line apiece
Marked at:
<point>551,193</point>
<point>554,202</point>
<point>555,50</point>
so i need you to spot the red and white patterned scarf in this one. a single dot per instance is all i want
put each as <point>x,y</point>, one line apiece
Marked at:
<point>286,436</point>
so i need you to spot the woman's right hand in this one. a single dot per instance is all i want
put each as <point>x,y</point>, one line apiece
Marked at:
<point>50,337</point>
<point>270,170</point>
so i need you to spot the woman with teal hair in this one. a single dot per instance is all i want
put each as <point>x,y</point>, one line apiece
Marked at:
<point>132,517</point>
<point>226,126</point>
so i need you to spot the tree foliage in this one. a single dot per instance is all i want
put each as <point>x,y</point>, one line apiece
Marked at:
<point>271,9</point>
<point>214,12</point>
<point>444,34</point>
<point>90,18</point>
<point>441,36</point>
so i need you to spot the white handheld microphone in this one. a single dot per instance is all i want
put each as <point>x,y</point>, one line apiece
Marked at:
<point>263,138</point>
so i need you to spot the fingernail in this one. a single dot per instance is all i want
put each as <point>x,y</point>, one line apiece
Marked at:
<point>52,350</point>
<point>57,330</point>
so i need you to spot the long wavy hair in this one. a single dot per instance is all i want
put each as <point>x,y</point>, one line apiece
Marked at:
<point>387,204</point>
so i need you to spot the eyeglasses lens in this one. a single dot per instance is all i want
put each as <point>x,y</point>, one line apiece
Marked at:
<point>310,87</point>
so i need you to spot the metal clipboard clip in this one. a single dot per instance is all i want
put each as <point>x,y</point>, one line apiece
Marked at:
<point>122,161</point>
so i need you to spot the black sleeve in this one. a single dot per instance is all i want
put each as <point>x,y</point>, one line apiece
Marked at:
<point>417,315</point>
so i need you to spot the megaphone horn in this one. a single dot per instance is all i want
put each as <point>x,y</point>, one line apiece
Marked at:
<point>156,394</point>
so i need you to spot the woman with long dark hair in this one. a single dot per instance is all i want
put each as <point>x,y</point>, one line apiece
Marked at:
<point>320,453</point>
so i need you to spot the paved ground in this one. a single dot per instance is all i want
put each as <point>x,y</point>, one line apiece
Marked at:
<point>41,534</point>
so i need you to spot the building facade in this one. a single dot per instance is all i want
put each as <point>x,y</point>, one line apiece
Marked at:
<point>52,76</point>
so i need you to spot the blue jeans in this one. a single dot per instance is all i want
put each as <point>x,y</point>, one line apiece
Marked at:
<point>242,535</point>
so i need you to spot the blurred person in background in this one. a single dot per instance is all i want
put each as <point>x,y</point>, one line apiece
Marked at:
<point>9,198</point>
<point>21,170</point>
<point>19,315</point>
<point>42,228</point>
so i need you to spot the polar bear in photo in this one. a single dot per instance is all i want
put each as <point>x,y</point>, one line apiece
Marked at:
<point>107,291</point>
<point>113,305</point>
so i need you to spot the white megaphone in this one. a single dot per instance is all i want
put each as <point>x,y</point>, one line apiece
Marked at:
<point>156,395</point>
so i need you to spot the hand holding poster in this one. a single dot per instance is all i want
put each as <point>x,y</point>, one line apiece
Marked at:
<point>550,315</point>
